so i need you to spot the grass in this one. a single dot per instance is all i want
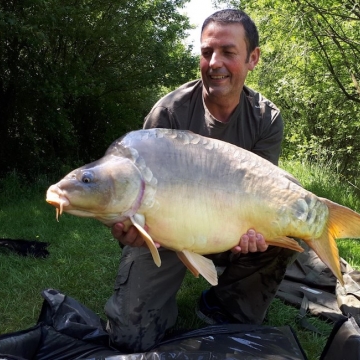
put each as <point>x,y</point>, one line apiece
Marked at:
<point>84,257</point>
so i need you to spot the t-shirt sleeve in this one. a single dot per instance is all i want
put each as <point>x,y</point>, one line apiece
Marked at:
<point>269,144</point>
<point>159,117</point>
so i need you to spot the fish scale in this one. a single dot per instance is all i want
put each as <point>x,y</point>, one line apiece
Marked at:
<point>196,196</point>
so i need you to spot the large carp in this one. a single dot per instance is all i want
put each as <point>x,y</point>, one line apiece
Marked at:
<point>198,195</point>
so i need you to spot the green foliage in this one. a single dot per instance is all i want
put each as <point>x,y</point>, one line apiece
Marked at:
<point>310,68</point>
<point>74,76</point>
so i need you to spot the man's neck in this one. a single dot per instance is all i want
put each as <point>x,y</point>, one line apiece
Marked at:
<point>221,110</point>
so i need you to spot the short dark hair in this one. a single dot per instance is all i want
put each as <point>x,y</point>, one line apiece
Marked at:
<point>235,16</point>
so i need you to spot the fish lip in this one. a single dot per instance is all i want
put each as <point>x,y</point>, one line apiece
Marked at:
<point>55,196</point>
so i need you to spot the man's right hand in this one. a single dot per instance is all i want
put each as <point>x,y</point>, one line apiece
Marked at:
<point>131,237</point>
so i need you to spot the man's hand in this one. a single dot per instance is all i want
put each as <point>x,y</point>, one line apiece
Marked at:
<point>131,237</point>
<point>250,242</point>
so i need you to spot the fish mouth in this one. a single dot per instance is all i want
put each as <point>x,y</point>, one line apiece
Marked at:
<point>56,197</point>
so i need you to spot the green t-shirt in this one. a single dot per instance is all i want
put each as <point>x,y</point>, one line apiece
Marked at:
<point>255,125</point>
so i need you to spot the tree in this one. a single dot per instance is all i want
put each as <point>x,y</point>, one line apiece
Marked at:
<point>74,75</point>
<point>310,69</point>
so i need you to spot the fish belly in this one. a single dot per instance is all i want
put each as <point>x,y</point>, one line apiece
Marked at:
<point>209,193</point>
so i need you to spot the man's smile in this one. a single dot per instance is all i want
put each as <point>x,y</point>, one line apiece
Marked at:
<point>218,77</point>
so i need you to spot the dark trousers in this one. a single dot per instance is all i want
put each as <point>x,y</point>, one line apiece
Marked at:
<point>143,305</point>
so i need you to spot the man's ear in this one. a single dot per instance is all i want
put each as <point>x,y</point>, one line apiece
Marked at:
<point>254,58</point>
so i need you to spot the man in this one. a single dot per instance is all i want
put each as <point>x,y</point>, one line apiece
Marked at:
<point>143,305</point>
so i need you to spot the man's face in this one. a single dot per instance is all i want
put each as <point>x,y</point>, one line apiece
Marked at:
<point>223,63</point>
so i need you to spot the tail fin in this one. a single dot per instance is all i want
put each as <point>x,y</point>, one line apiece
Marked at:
<point>342,223</point>
<point>327,250</point>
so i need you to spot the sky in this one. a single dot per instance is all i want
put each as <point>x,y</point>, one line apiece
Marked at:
<point>197,11</point>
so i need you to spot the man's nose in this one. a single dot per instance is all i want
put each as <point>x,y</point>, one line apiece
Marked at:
<point>215,61</point>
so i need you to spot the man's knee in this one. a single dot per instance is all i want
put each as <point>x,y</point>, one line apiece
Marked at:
<point>143,305</point>
<point>132,337</point>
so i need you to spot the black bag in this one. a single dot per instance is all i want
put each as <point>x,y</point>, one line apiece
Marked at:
<point>344,342</point>
<point>310,285</point>
<point>68,330</point>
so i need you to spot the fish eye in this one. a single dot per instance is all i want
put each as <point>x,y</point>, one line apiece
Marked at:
<point>87,178</point>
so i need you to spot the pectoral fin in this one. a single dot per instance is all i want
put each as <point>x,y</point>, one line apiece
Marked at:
<point>199,264</point>
<point>285,242</point>
<point>139,222</point>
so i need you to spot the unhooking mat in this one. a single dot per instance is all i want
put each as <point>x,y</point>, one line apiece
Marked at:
<point>68,330</point>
